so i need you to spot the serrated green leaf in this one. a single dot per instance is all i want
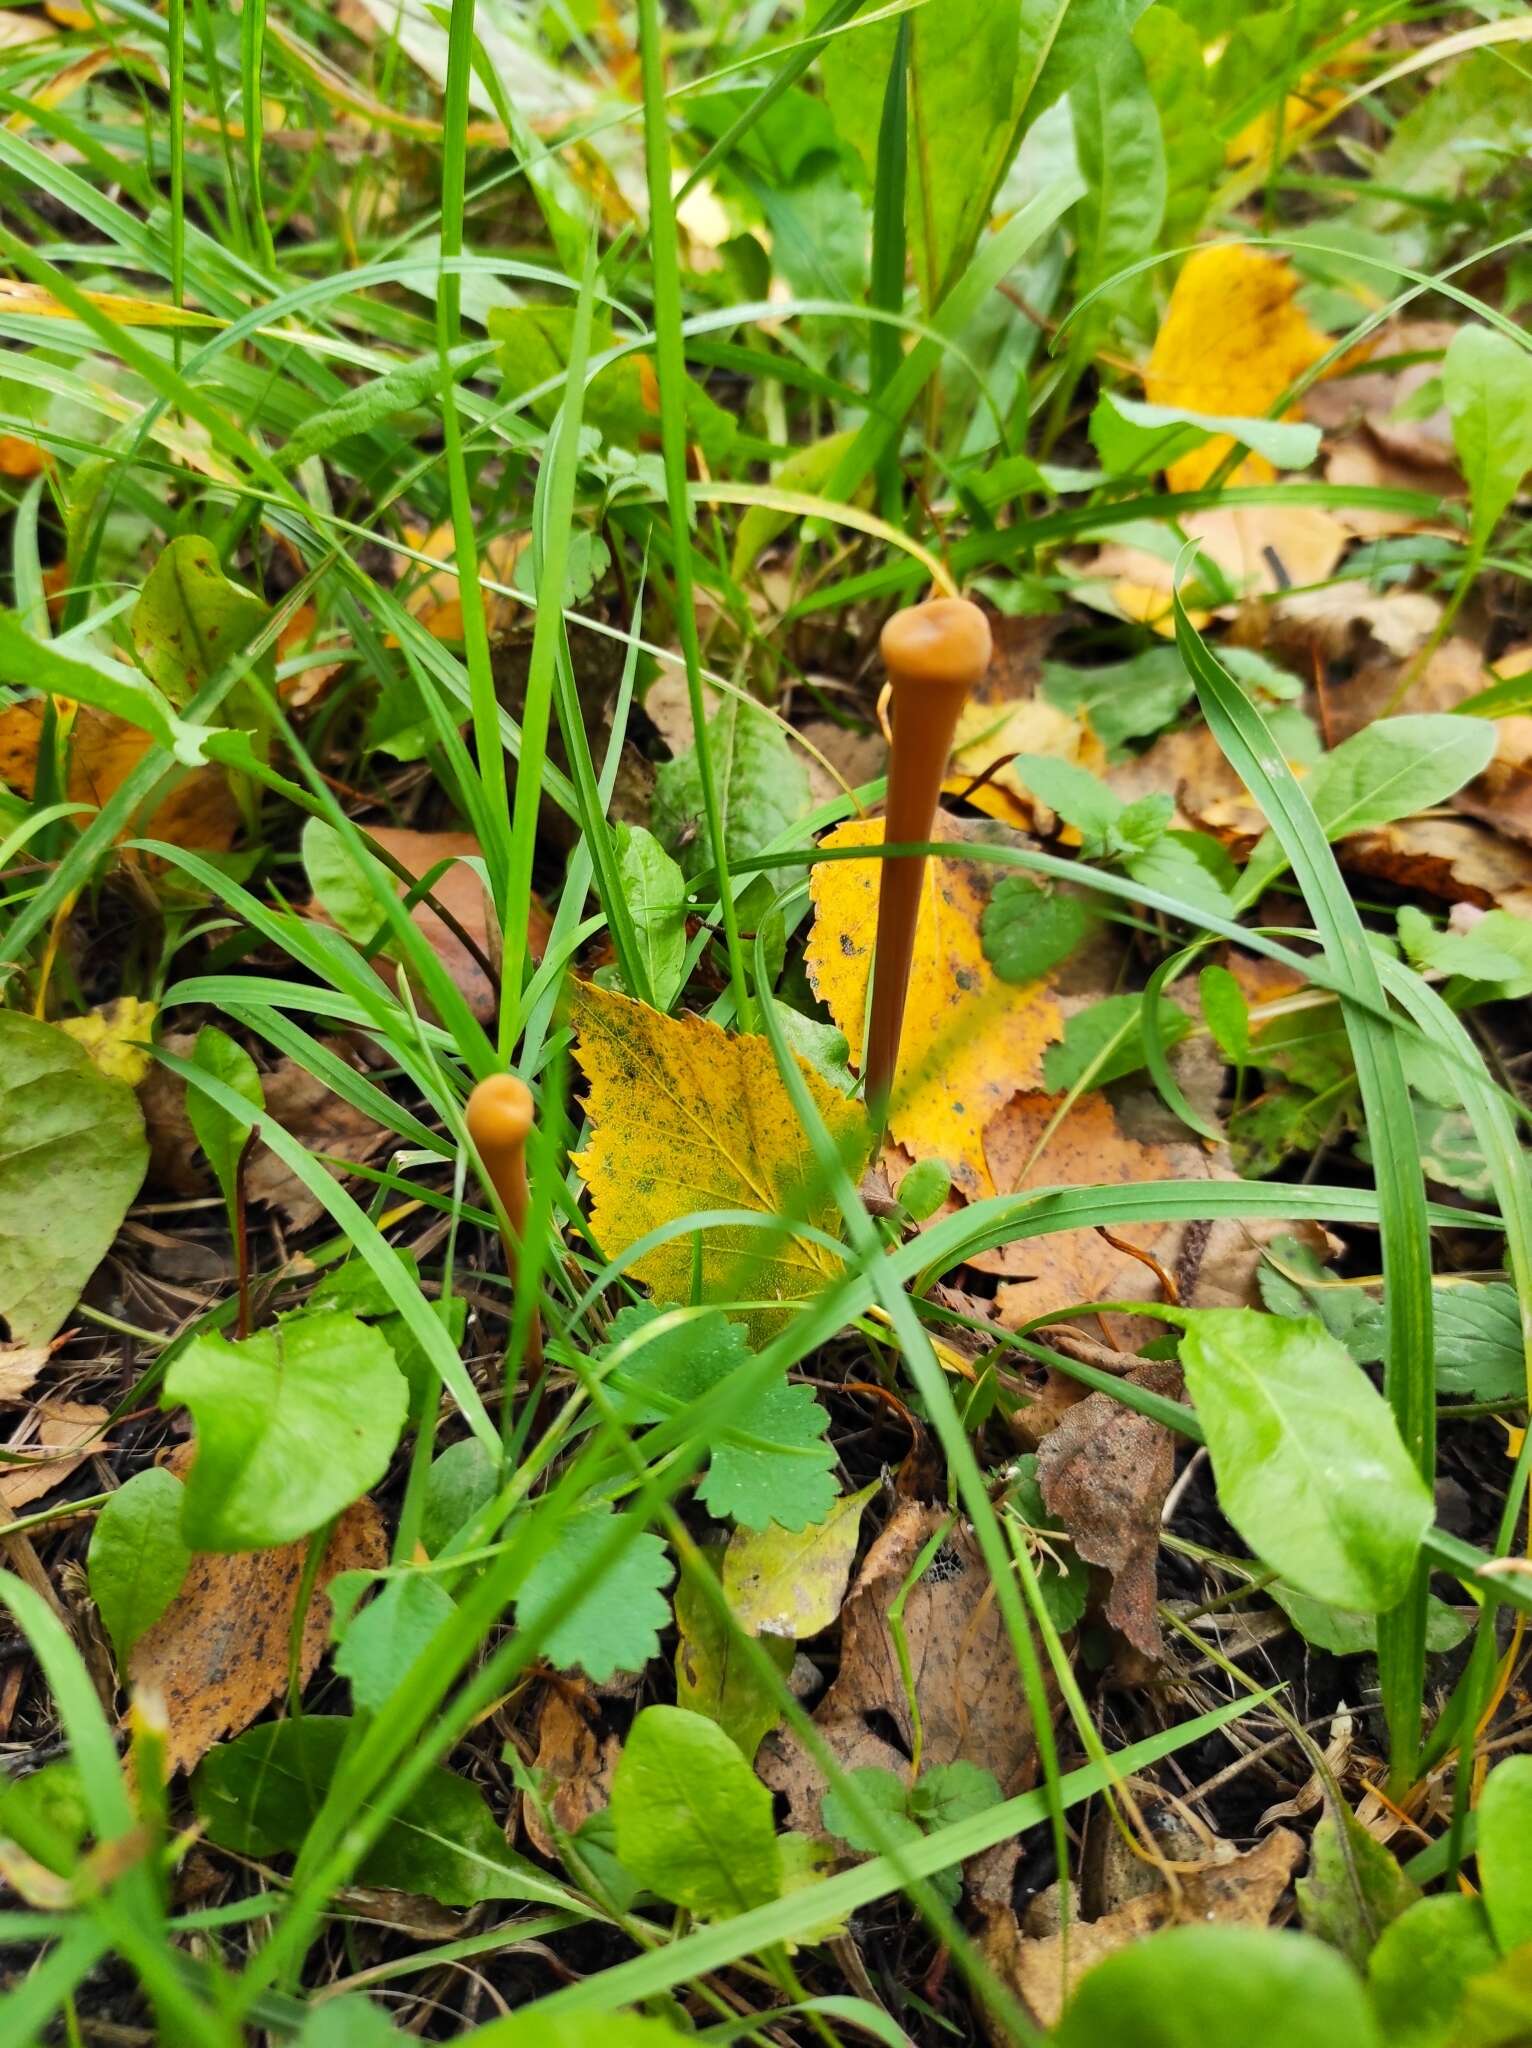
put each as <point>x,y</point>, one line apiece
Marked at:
<point>1026,929</point>
<point>770,1463</point>
<point>693,1821</point>
<point>1128,700</point>
<point>293,1424</point>
<point>137,1558</point>
<point>604,1623</point>
<point>72,1155</point>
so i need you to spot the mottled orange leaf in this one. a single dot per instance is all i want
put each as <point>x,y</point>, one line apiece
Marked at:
<point>436,600</point>
<point>687,1117</point>
<point>21,458</point>
<point>970,1040</point>
<point>199,811</point>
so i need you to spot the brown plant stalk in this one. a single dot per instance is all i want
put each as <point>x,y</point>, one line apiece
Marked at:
<point>499,1118</point>
<point>934,654</point>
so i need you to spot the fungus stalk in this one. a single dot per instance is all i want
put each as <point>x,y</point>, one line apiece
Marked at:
<point>500,1112</point>
<point>934,654</point>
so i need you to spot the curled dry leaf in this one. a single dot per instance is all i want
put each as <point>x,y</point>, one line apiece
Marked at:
<point>1449,858</point>
<point>199,812</point>
<point>64,1436</point>
<point>217,1657</point>
<point>574,1762</point>
<point>1105,1471</point>
<point>970,1039</point>
<point>970,1698</point>
<point>19,1366</point>
<point>1235,1890</point>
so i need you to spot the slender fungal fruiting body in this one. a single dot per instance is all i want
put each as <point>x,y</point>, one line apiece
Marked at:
<point>499,1118</point>
<point>934,654</point>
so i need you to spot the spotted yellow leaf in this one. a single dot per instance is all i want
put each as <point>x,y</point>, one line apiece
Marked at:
<point>686,1117</point>
<point>111,1034</point>
<point>970,1040</point>
<point>1233,339</point>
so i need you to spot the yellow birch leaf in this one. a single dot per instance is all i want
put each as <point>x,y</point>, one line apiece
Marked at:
<point>686,1117</point>
<point>1233,339</point>
<point>992,730</point>
<point>970,1040</point>
<point>108,1033</point>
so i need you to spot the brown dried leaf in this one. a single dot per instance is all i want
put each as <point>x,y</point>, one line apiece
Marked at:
<point>19,1366</point>
<point>1240,1891</point>
<point>436,600</point>
<point>573,1759</point>
<point>1105,1472</point>
<point>1448,858</point>
<point>323,1121</point>
<point>970,1698</point>
<point>199,812</point>
<point>217,1657</point>
<point>61,1426</point>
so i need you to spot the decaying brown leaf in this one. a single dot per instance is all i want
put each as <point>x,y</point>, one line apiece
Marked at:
<point>1235,1890</point>
<point>320,1119</point>
<point>1449,858</point>
<point>218,1655</point>
<point>1105,1471</point>
<point>19,1366</point>
<point>574,1761</point>
<point>57,1429</point>
<point>199,812</point>
<point>970,1699</point>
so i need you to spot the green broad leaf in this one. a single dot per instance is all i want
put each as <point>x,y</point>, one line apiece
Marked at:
<point>1497,2007</point>
<point>462,1479</point>
<point>72,1155</point>
<point>693,1821</point>
<point>222,1135</point>
<point>1121,154</point>
<point>1294,1281</point>
<point>1177,74</point>
<point>1129,700</point>
<point>1505,1828</point>
<point>190,622</point>
<point>293,1424</point>
<point>806,470</point>
<point>924,1188</point>
<point>47,1815</point>
<point>952,1792</point>
<point>979,77</point>
<point>605,1622</point>
<point>1110,1031</point>
<point>713,1676</point>
<point>792,1582</point>
<point>1308,1460</point>
<point>349,2021</point>
<point>1132,437</point>
<point>1191,866</point>
<point>349,891</point>
<point>400,390</point>
<point>1353,1888</point>
<point>137,1558</point>
<point>1226,1014</point>
<point>410,1355</point>
<point>820,1046</point>
<point>380,1643</point>
<point>1080,798</point>
<point>1497,952</point>
<point>763,789</point>
<point>1026,929</point>
<point>1346,1634</point>
<point>258,1794</point>
<point>768,1464</point>
<point>655,890</point>
<point>1190,1986</point>
<point>1422,1966</point>
<point>1487,383</point>
<point>101,682</point>
<point>889,1798</point>
<point>1391,769</point>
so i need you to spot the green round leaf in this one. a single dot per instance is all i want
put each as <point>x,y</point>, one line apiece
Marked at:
<point>693,1821</point>
<point>1192,1986</point>
<point>1027,929</point>
<point>137,1558</point>
<point>293,1425</point>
